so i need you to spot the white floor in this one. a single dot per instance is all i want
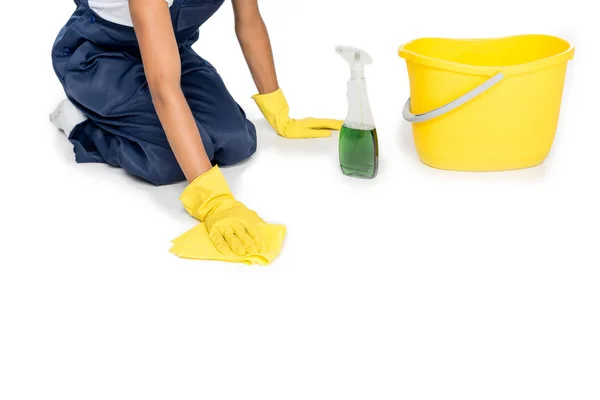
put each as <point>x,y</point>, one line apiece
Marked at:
<point>421,284</point>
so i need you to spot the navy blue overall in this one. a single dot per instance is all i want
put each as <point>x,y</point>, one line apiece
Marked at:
<point>99,65</point>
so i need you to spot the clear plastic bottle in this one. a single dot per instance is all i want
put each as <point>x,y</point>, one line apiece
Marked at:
<point>358,146</point>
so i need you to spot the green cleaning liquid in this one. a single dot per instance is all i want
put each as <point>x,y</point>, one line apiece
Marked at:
<point>358,150</point>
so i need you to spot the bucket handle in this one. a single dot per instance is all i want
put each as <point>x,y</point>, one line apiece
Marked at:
<point>438,112</point>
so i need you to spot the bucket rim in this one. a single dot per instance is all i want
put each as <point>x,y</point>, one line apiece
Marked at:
<point>487,70</point>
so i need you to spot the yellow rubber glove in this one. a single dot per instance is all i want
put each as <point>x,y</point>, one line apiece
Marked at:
<point>232,227</point>
<point>275,108</point>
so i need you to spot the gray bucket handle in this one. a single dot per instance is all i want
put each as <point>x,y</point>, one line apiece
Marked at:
<point>438,112</point>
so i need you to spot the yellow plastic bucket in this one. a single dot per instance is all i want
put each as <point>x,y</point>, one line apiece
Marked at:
<point>485,104</point>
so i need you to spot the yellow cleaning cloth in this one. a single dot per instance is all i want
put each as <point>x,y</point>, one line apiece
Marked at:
<point>196,244</point>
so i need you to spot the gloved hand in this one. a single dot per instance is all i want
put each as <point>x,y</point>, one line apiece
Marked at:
<point>232,227</point>
<point>275,108</point>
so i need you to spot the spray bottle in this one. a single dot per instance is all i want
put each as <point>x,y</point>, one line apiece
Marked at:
<point>358,145</point>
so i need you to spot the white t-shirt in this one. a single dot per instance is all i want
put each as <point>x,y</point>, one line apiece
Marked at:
<point>116,11</point>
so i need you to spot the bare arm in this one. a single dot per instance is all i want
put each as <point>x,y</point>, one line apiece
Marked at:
<point>162,65</point>
<point>256,46</point>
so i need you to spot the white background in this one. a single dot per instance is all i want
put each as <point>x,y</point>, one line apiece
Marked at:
<point>420,284</point>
